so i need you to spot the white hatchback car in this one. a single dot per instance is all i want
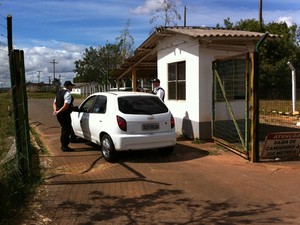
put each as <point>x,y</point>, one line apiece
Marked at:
<point>120,121</point>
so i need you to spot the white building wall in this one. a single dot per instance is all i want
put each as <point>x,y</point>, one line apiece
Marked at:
<point>176,49</point>
<point>195,112</point>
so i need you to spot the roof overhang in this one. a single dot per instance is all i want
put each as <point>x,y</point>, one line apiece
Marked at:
<point>144,59</point>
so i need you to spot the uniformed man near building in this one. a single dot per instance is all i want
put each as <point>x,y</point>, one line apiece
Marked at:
<point>62,108</point>
<point>157,89</point>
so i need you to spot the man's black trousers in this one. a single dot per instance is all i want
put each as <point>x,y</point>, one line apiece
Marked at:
<point>64,120</point>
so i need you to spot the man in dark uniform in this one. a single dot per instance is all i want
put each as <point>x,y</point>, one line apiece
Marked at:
<point>62,107</point>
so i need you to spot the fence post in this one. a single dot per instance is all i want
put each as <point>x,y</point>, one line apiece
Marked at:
<point>255,102</point>
<point>21,112</point>
<point>254,106</point>
<point>19,99</point>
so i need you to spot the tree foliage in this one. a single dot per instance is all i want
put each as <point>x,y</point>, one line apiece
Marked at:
<point>126,42</point>
<point>273,54</point>
<point>97,63</point>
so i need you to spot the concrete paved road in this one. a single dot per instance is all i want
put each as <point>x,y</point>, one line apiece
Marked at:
<point>192,186</point>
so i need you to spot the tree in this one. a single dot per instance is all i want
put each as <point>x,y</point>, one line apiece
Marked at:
<point>97,64</point>
<point>274,54</point>
<point>167,13</point>
<point>228,24</point>
<point>126,42</point>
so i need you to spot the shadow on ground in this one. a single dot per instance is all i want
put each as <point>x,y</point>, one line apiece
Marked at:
<point>161,206</point>
<point>181,153</point>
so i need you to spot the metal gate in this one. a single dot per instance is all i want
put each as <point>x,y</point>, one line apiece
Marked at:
<point>230,113</point>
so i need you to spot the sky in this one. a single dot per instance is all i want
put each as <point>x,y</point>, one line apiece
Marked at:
<point>61,30</point>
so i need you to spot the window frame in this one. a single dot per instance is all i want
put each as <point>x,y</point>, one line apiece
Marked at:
<point>177,80</point>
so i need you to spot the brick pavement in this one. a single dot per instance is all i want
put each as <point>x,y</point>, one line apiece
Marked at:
<point>82,188</point>
<point>189,187</point>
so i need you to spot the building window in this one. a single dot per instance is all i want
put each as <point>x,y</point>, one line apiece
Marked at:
<point>176,81</point>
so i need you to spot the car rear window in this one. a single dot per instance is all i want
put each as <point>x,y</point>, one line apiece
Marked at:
<point>141,105</point>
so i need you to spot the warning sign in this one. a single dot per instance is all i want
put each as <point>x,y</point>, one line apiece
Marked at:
<point>281,145</point>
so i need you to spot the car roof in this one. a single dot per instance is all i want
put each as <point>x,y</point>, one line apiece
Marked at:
<point>123,93</point>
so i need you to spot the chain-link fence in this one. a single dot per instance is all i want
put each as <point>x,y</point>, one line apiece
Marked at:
<point>279,121</point>
<point>230,108</point>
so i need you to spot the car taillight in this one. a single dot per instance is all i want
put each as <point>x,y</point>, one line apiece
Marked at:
<point>122,123</point>
<point>172,122</point>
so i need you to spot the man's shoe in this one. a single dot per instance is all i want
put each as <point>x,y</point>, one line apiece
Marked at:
<point>67,149</point>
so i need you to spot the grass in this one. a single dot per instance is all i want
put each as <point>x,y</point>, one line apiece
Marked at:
<point>199,141</point>
<point>6,123</point>
<point>41,95</point>
<point>15,187</point>
<point>48,95</point>
<point>37,142</point>
<point>277,106</point>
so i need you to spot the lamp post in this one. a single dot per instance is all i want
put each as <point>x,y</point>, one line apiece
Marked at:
<point>293,86</point>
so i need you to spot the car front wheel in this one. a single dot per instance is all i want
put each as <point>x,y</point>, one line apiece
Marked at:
<point>107,148</point>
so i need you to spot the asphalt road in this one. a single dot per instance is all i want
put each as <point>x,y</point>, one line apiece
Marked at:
<point>197,184</point>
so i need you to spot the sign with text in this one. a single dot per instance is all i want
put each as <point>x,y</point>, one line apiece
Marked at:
<point>281,145</point>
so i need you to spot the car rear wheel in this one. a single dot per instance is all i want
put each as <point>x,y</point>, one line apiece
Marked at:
<point>108,149</point>
<point>166,150</point>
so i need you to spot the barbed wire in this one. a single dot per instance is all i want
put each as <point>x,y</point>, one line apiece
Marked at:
<point>4,59</point>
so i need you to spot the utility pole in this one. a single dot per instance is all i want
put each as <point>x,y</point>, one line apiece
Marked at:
<point>53,62</point>
<point>49,79</point>
<point>260,15</point>
<point>184,20</point>
<point>39,71</point>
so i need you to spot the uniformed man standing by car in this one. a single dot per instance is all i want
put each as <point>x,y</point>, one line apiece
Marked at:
<point>158,90</point>
<point>62,107</point>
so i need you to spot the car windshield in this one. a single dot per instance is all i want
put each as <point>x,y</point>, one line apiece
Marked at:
<point>141,105</point>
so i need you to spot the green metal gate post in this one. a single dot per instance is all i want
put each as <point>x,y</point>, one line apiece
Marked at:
<point>255,102</point>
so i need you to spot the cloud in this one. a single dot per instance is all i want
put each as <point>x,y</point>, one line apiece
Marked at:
<point>151,5</point>
<point>146,9</point>
<point>288,20</point>
<point>40,58</point>
<point>56,29</point>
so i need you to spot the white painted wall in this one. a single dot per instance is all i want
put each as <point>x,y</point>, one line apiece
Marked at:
<point>198,103</point>
<point>176,49</point>
<point>238,108</point>
<point>86,89</point>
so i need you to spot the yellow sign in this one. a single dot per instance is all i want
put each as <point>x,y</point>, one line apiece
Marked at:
<point>281,145</point>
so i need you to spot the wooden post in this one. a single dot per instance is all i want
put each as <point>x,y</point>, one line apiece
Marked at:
<point>21,110</point>
<point>134,78</point>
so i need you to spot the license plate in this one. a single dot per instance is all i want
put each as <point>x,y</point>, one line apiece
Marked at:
<point>150,126</point>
